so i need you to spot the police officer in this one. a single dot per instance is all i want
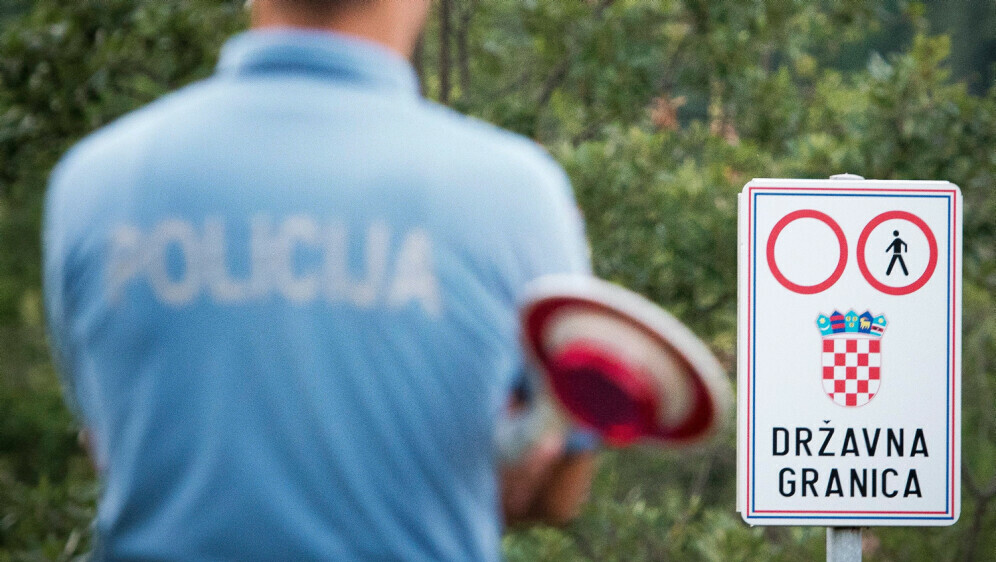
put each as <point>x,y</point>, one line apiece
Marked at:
<point>283,305</point>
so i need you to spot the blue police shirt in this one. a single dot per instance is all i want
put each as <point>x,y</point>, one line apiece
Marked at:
<point>283,303</point>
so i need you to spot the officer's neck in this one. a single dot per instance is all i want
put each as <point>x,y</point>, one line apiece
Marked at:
<point>395,25</point>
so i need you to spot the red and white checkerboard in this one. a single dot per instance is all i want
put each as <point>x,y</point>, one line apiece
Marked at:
<point>852,369</point>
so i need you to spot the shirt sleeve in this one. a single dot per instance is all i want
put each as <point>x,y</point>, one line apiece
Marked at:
<point>555,244</point>
<point>61,239</point>
<point>554,234</point>
<point>53,282</point>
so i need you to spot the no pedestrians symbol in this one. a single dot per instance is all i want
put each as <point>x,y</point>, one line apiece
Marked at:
<point>897,247</point>
<point>849,406</point>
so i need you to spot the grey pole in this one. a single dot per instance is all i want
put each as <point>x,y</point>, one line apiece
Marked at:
<point>846,177</point>
<point>843,544</point>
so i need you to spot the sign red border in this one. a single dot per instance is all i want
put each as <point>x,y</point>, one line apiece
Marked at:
<point>841,262</point>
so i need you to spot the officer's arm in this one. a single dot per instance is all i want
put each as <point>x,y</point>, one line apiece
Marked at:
<point>553,480</point>
<point>549,485</point>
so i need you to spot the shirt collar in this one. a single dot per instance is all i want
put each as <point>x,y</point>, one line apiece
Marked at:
<point>319,53</point>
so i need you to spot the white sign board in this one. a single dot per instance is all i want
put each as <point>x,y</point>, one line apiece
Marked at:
<point>849,353</point>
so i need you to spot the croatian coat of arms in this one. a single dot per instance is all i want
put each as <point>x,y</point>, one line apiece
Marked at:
<point>852,356</point>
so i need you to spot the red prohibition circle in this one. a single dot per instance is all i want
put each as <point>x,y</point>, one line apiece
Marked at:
<point>841,262</point>
<point>931,262</point>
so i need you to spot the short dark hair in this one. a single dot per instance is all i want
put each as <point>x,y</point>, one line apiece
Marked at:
<point>322,7</point>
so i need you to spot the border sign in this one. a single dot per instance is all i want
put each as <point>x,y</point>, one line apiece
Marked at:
<point>849,353</point>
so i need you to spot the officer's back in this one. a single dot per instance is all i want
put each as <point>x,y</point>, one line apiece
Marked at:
<point>283,301</point>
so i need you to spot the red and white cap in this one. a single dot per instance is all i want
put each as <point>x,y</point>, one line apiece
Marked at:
<point>621,365</point>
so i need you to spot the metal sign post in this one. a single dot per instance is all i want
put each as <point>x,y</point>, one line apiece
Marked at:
<point>849,355</point>
<point>843,544</point>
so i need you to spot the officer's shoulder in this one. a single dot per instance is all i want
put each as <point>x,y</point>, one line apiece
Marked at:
<point>118,145</point>
<point>502,147</point>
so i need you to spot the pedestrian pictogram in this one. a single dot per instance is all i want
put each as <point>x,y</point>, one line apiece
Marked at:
<point>897,248</point>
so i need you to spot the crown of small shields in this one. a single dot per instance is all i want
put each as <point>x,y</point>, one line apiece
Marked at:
<point>851,323</point>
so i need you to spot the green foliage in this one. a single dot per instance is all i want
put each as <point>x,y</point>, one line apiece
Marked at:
<point>659,196</point>
<point>49,519</point>
<point>660,110</point>
<point>661,215</point>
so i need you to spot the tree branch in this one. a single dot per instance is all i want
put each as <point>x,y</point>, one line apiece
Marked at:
<point>556,78</point>
<point>444,51</point>
<point>463,45</point>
